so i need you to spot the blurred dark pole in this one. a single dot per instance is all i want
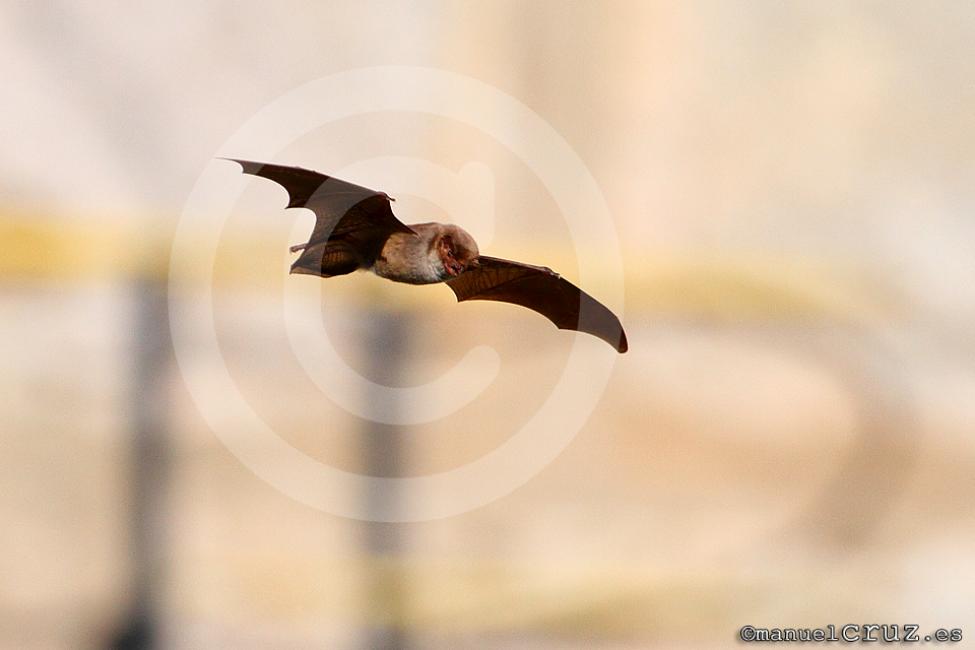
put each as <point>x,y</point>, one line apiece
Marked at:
<point>386,341</point>
<point>149,456</point>
<point>129,111</point>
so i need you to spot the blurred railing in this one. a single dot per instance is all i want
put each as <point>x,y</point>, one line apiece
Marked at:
<point>832,313</point>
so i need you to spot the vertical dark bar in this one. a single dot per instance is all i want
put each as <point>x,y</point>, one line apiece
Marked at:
<point>386,344</point>
<point>148,465</point>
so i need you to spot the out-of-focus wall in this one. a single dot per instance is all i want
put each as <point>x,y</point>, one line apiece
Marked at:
<point>787,442</point>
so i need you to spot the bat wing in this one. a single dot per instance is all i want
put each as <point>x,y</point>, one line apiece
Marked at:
<point>351,222</point>
<point>540,289</point>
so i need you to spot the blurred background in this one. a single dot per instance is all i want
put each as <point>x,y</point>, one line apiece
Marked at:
<point>789,442</point>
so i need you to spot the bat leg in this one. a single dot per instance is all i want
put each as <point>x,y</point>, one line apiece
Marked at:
<point>326,259</point>
<point>325,270</point>
<point>298,247</point>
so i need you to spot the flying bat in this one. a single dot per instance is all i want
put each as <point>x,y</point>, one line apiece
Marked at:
<point>355,228</point>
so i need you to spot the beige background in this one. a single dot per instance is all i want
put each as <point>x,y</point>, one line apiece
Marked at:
<point>789,441</point>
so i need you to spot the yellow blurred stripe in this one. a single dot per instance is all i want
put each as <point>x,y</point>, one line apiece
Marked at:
<point>709,286</point>
<point>62,250</point>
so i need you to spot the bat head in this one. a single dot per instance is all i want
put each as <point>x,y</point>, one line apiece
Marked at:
<point>456,250</point>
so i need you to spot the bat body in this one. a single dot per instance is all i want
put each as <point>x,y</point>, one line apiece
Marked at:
<point>355,229</point>
<point>418,259</point>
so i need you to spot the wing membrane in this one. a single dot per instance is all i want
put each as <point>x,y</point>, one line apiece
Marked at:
<point>351,222</point>
<point>542,290</point>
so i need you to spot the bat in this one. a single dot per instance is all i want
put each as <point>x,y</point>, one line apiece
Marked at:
<point>355,229</point>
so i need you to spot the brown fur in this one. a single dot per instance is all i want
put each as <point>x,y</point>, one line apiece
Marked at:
<point>420,258</point>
